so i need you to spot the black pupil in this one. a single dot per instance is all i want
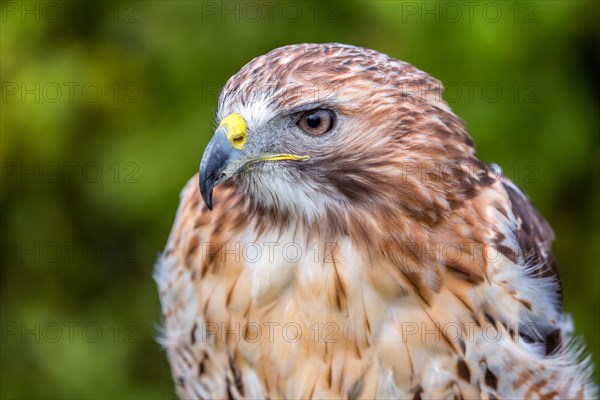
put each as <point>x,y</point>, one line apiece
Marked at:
<point>313,120</point>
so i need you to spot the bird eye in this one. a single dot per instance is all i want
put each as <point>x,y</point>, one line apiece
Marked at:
<point>316,122</point>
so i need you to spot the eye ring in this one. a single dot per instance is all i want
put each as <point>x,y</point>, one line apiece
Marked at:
<point>317,122</point>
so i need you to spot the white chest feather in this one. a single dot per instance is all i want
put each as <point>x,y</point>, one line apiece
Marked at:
<point>282,315</point>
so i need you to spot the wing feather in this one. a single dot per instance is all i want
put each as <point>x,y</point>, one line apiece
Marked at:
<point>534,234</point>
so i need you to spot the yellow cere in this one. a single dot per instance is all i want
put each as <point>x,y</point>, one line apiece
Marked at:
<point>235,126</point>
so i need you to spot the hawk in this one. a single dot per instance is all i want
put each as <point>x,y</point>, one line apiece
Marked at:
<point>342,240</point>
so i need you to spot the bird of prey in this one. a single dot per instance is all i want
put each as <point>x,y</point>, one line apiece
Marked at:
<point>342,240</point>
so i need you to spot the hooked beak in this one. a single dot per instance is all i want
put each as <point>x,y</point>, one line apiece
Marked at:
<point>219,162</point>
<point>224,158</point>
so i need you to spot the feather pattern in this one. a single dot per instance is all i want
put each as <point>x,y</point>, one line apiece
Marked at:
<point>392,264</point>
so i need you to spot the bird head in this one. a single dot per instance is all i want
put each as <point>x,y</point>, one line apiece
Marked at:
<point>321,129</point>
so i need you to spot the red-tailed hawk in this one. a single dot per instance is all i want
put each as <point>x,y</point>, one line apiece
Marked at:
<point>342,240</point>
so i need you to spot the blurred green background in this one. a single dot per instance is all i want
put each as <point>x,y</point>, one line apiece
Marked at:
<point>107,107</point>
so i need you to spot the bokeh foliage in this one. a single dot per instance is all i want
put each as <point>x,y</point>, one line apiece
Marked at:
<point>78,248</point>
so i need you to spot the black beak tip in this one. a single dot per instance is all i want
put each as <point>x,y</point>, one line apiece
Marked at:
<point>206,191</point>
<point>208,202</point>
<point>218,155</point>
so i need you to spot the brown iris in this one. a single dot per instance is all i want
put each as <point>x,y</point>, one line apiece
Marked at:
<point>316,122</point>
